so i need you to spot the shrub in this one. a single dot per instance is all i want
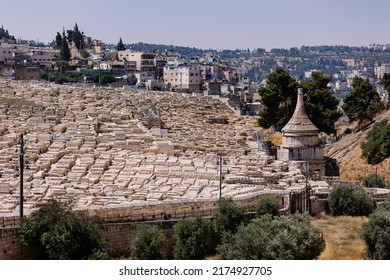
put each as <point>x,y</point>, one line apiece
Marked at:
<point>147,243</point>
<point>267,205</point>
<point>376,232</point>
<point>191,238</point>
<point>346,199</point>
<point>61,233</point>
<point>227,217</point>
<point>374,181</point>
<point>377,145</point>
<point>289,237</point>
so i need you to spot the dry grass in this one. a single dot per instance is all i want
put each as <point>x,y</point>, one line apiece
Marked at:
<point>356,168</point>
<point>342,237</point>
<point>275,138</point>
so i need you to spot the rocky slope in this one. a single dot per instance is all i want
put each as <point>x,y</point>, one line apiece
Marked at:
<point>347,152</point>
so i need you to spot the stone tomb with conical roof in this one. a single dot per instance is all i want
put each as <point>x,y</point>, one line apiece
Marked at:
<point>300,142</point>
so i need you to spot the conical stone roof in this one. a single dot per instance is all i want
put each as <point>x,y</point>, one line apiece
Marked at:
<point>300,122</point>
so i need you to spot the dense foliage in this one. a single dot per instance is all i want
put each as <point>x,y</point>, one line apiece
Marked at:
<point>4,34</point>
<point>281,238</point>
<point>61,233</point>
<point>76,37</point>
<point>120,46</point>
<point>347,199</point>
<point>267,206</point>
<point>191,238</point>
<point>279,97</point>
<point>321,105</point>
<point>376,147</point>
<point>227,217</point>
<point>374,181</point>
<point>386,81</point>
<point>362,102</point>
<point>376,233</point>
<point>147,243</point>
<point>64,47</point>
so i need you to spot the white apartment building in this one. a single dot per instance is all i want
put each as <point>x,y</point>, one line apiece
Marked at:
<point>183,77</point>
<point>382,70</point>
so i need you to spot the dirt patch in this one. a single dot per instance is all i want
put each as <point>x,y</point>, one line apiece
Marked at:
<point>342,237</point>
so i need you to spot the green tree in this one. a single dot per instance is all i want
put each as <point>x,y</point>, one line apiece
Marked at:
<point>374,181</point>
<point>227,217</point>
<point>376,232</point>
<point>99,77</point>
<point>120,46</point>
<point>191,238</point>
<point>386,81</point>
<point>290,237</point>
<point>147,243</point>
<point>267,206</point>
<point>61,233</point>
<point>376,146</point>
<point>58,40</point>
<point>84,54</point>
<point>64,50</point>
<point>346,199</point>
<point>362,102</point>
<point>76,37</point>
<point>279,98</point>
<point>320,103</point>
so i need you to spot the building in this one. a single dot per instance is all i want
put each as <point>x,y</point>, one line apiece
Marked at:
<point>380,71</point>
<point>7,54</point>
<point>145,64</point>
<point>183,77</point>
<point>300,142</point>
<point>42,57</point>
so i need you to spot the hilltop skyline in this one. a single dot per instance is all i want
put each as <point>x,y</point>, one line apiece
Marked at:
<point>206,24</point>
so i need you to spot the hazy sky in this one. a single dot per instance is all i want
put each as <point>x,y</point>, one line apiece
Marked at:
<point>217,24</point>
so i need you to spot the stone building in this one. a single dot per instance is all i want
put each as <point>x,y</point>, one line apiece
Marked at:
<point>300,142</point>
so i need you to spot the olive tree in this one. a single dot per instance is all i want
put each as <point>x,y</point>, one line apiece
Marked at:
<point>289,237</point>
<point>61,233</point>
<point>191,238</point>
<point>147,243</point>
<point>347,199</point>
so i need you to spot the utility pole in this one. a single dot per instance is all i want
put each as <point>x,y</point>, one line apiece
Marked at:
<point>307,189</point>
<point>220,174</point>
<point>21,170</point>
<point>376,177</point>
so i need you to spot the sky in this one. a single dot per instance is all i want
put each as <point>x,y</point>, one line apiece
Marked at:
<point>214,24</point>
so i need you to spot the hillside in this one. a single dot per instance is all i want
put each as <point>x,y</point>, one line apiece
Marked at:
<point>347,152</point>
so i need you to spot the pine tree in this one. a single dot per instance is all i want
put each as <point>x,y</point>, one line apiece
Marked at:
<point>363,102</point>
<point>120,46</point>
<point>279,98</point>
<point>58,40</point>
<point>320,103</point>
<point>64,51</point>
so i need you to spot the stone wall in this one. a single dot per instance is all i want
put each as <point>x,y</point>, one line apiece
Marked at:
<point>117,236</point>
<point>157,210</point>
<point>12,249</point>
<point>119,232</point>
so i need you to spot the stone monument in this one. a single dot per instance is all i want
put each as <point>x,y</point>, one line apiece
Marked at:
<point>300,143</point>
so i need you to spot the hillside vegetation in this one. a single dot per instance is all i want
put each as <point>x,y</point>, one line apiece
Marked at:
<point>347,152</point>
